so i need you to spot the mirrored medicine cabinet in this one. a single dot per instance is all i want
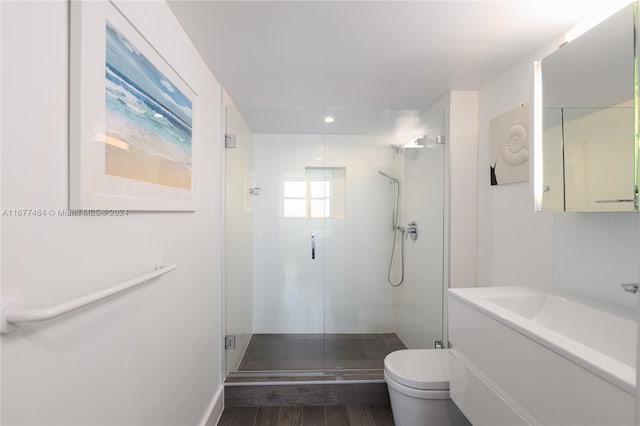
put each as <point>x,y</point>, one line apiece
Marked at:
<point>589,120</point>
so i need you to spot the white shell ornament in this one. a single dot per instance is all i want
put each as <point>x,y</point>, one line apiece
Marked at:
<point>515,148</point>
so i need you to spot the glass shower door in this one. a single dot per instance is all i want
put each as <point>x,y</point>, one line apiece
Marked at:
<point>376,304</point>
<point>240,191</point>
<point>286,242</point>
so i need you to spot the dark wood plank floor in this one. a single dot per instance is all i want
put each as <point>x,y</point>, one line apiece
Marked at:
<point>330,415</point>
<point>297,394</point>
<point>318,351</point>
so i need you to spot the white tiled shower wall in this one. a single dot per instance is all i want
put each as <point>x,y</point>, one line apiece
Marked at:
<point>345,289</point>
<point>351,253</point>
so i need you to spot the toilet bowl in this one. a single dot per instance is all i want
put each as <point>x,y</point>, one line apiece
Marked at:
<point>418,383</point>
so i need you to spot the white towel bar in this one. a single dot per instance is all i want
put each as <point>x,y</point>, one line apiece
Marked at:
<point>11,314</point>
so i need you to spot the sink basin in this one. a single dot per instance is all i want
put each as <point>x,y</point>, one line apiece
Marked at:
<point>609,334</point>
<point>555,358</point>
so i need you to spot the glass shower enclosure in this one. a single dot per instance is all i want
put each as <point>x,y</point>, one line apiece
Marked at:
<point>333,238</point>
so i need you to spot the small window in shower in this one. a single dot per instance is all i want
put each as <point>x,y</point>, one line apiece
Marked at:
<point>320,198</point>
<point>295,198</point>
<point>320,195</point>
<point>326,191</point>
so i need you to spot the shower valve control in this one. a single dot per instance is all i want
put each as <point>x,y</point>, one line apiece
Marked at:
<point>412,230</point>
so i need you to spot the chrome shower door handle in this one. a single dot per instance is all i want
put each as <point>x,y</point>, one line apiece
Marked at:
<point>313,245</point>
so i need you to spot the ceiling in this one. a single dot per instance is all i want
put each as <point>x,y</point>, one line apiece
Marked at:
<point>368,54</point>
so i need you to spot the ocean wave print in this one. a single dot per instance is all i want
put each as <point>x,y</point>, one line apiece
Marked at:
<point>139,113</point>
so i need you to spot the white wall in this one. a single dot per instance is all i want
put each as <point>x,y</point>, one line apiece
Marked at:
<point>514,243</point>
<point>238,235</point>
<point>151,356</point>
<point>463,169</point>
<point>594,253</point>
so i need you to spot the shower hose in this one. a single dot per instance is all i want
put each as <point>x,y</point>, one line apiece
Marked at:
<point>396,228</point>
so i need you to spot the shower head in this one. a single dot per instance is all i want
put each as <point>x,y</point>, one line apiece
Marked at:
<point>396,148</point>
<point>391,178</point>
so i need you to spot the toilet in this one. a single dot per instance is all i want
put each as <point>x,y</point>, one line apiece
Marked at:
<point>418,383</point>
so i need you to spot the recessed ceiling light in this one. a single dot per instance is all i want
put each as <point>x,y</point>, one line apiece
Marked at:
<point>329,119</point>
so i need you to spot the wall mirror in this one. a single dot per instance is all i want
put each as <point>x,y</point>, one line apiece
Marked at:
<point>589,121</point>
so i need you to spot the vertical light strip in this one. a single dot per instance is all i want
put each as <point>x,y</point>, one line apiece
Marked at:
<point>635,105</point>
<point>537,136</point>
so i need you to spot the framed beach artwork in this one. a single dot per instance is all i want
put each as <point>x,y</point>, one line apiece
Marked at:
<point>132,140</point>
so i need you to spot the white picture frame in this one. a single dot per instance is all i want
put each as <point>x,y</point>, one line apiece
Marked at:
<point>132,139</point>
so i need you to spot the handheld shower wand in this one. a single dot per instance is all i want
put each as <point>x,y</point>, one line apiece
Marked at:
<point>396,228</point>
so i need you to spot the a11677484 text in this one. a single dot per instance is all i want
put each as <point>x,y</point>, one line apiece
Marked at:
<point>60,212</point>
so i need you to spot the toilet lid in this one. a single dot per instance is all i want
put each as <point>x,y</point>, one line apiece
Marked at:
<point>419,368</point>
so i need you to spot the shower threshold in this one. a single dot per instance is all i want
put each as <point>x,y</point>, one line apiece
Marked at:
<point>337,376</point>
<point>306,389</point>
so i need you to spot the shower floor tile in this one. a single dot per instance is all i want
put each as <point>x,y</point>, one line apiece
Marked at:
<point>267,352</point>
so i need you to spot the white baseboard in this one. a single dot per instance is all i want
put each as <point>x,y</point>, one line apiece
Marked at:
<point>214,411</point>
